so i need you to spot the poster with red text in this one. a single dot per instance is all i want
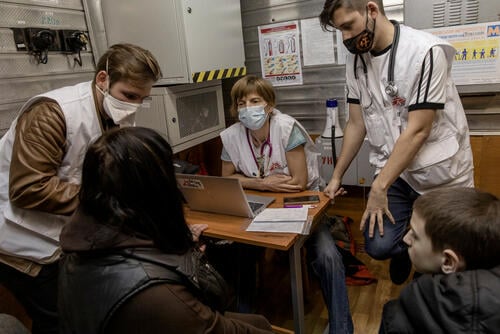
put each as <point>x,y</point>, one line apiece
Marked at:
<point>280,53</point>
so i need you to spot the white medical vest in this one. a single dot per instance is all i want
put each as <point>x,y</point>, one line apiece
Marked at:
<point>445,159</point>
<point>32,234</point>
<point>237,145</point>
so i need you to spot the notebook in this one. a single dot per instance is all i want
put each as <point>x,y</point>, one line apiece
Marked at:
<point>218,194</point>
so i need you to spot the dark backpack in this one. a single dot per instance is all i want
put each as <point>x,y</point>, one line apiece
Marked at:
<point>340,228</point>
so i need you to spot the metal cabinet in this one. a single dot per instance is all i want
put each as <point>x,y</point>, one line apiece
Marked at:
<point>187,115</point>
<point>360,171</point>
<point>188,37</point>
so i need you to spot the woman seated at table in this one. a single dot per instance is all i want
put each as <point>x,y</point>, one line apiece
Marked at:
<point>270,151</point>
<point>267,150</point>
<point>130,262</point>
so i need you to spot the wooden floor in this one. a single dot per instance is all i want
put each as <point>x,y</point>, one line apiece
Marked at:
<point>366,302</point>
<point>274,299</point>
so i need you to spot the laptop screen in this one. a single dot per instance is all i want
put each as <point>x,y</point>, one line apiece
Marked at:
<point>217,194</point>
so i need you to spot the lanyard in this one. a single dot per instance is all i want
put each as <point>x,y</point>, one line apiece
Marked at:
<point>260,166</point>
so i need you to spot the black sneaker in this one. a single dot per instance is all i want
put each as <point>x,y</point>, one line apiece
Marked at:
<point>400,268</point>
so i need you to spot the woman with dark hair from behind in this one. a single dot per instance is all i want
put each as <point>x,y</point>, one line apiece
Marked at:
<point>131,264</point>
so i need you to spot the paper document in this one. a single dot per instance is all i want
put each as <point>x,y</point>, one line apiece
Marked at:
<point>286,220</point>
<point>282,215</point>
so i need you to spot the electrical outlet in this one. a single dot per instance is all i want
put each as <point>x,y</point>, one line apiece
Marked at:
<point>20,39</point>
<point>42,39</point>
<point>73,40</point>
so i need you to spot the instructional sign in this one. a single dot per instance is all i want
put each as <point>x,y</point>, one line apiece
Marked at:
<point>317,45</point>
<point>280,53</point>
<point>476,57</point>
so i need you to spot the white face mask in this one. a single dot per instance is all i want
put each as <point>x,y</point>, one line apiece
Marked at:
<point>252,117</point>
<point>122,113</point>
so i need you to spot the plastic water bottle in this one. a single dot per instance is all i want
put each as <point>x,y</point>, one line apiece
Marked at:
<point>332,120</point>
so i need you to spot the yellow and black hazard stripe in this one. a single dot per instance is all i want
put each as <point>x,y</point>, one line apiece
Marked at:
<point>226,73</point>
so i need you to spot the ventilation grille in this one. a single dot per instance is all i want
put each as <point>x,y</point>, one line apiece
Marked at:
<point>455,12</point>
<point>439,12</point>
<point>471,12</point>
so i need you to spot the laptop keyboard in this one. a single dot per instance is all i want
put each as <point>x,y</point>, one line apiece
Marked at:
<point>255,206</point>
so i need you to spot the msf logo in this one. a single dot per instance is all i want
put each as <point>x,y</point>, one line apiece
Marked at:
<point>493,31</point>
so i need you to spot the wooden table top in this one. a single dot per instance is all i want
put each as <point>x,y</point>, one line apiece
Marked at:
<point>233,227</point>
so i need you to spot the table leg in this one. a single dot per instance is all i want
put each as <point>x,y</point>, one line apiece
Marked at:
<point>297,288</point>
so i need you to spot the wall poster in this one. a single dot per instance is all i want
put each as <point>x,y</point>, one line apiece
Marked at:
<point>476,57</point>
<point>317,45</point>
<point>280,53</point>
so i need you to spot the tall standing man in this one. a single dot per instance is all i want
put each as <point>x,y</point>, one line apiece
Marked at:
<point>41,159</point>
<point>402,98</point>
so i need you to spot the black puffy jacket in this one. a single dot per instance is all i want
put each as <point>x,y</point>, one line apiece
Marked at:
<point>463,302</point>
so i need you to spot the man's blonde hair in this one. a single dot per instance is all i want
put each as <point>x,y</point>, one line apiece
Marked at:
<point>129,63</point>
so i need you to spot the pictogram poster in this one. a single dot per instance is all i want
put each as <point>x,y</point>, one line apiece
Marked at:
<point>280,53</point>
<point>477,47</point>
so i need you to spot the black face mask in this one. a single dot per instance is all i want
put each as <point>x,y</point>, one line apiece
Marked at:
<point>363,41</point>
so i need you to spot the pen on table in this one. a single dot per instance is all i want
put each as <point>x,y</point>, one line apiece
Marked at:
<point>309,206</point>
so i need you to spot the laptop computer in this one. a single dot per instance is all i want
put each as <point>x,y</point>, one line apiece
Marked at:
<point>218,194</point>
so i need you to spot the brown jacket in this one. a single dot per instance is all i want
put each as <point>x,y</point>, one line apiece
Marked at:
<point>37,153</point>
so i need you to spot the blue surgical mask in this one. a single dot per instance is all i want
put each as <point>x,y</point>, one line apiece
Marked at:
<point>252,117</point>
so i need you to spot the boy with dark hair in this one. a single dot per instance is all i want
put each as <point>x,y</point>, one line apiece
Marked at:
<point>455,241</point>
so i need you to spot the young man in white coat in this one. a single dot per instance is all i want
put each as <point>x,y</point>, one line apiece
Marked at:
<point>402,98</point>
<point>41,157</point>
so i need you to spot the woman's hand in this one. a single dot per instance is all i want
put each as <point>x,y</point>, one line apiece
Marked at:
<point>278,183</point>
<point>196,231</point>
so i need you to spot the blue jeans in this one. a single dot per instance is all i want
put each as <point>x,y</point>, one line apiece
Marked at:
<point>400,197</point>
<point>327,264</point>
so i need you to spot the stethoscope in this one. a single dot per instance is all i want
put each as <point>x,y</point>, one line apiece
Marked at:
<point>267,143</point>
<point>390,89</point>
